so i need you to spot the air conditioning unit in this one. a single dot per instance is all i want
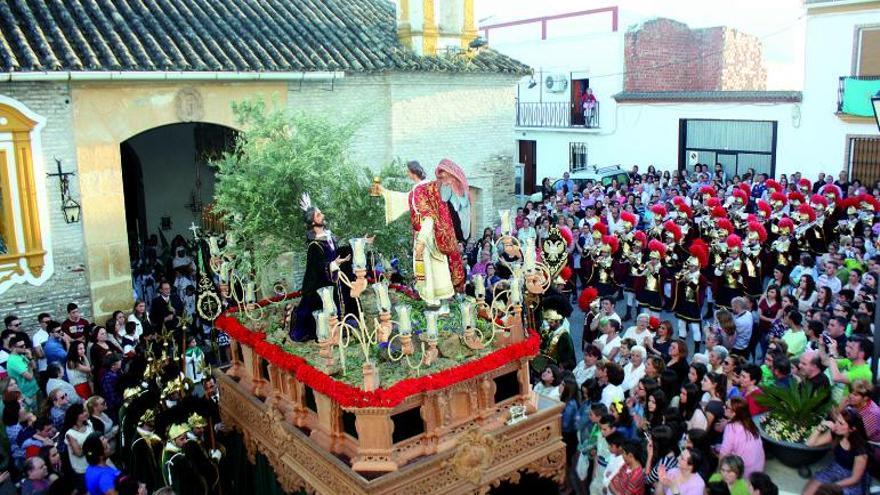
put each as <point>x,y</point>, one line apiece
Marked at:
<point>693,158</point>
<point>556,83</point>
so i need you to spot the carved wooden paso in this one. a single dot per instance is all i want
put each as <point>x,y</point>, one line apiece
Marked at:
<point>465,456</point>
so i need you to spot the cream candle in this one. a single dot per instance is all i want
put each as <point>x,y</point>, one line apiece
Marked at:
<point>431,320</point>
<point>326,294</point>
<point>403,322</point>
<point>383,302</point>
<point>322,324</point>
<point>359,253</point>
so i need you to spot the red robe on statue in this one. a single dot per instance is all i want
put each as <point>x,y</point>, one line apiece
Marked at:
<point>427,202</point>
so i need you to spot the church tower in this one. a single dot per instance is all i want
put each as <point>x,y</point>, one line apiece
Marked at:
<point>430,27</point>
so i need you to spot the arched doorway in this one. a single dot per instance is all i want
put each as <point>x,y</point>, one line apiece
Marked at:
<point>167,182</point>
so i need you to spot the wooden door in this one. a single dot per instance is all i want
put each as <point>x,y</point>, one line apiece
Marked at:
<point>527,155</point>
<point>578,88</point>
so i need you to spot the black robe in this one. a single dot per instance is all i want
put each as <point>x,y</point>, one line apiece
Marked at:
<point>318,258</point>
<point>143,461</point>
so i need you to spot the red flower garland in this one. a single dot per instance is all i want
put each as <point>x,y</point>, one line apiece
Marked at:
<point>349,396</point>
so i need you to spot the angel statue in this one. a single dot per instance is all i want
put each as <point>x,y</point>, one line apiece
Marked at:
<point>437,263</point>
<point>454,191</point>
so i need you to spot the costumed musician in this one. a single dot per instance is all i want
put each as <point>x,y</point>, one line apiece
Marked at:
<point>752,252</point>
<point>604,278</point>
<point>634,283</point>
<point>658,216</point>
<point>653,272</point>
<point>623,259</point>
<point>730,272</point>
<point>782,249</point>
<point>690,287</point>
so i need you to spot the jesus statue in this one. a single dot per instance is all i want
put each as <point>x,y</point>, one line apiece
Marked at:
<point>437,263</point>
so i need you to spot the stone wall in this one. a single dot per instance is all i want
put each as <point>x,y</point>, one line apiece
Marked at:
<point>69,282</point>
<point>666,55</point>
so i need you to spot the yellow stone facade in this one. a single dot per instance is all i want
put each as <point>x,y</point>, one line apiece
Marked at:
<point>105,115</point>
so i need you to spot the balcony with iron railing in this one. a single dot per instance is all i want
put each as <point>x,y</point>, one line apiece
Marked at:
<point>854,98</point>
<point>556,114</point>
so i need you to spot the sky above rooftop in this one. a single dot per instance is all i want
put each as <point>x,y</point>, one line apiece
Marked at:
<point>778,23</point>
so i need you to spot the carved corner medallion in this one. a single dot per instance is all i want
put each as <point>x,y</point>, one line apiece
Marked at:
<point>189,105</point>
<point>474,455</point>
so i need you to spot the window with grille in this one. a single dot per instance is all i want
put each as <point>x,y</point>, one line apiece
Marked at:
<point>577,156</point>
<point>864,159</point>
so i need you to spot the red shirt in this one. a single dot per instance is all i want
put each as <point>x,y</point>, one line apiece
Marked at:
<point>75,329</point>
<point>754,407</point>
<point>628,481</point>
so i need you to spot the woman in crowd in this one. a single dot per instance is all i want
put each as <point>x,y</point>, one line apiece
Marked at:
<point>678,354</point>
<point>690,408</point>
<point>551,377</point>
<point>141,318</point>
<point>769,310</point>
<point>806,293</point>
<point>716,385</point>
<point>77,429</point>
<point>761,484</point>
<point>684,479</point>
<point>848,469</point>
<point>825,299</point>
<point>730,472</point>
<point>741,437</point>
<point>662,452</point>
<point>659,345</point>
<point>78,370</point>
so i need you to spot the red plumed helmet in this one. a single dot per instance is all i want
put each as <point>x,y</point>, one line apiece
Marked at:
<point>659,210</point>
<point>566,273</point>
<point>751,217</point>
<point>677,201</point>
<point>779,196</point>
<point>871,200</point>
<point>653,323</point>
<point>819,200</point>
<point>786,223</point>
<point>806,184</point>
<point>641,237</point>
<point>673,229</point>
<point>629,218</point>
<point>758,229</point>
<point>566,234</point>
<point>742,195</point>
<point>713,202</point>
<point>806,209</point>
<point>708,190</point>
<point>600,228</point>
<point>719,212</point>
<point>588,295</point>
<point>745,188</point>
<point>734,241</point>
<point>683,207</point>
<point>772,184</point>
<point>765,208</point>
<point>796,196</point>
<point>657,246</point>
<point>833,189</point>
<point>724,224</point>
<point>700,250</point>
<point>612,242</point>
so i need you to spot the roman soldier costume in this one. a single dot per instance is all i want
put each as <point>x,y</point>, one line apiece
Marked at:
<point>851,225</point>
<point>631,282</point>
<point>730,284</point>
<point>690,287</point>
<point>556,341</point>
<point>833,214</point>
<point>591,254</point>
<point>178,471</point>
<point>588,301</point>
<point>806,220</point>
<point>752,274</point>
<point>653,273</point>
<point>604,278</point>
<point>815,235</point>
<point>782,249</point>
<point>145,453</point>
<point>778,201</point>
<point>659,216</point>
<point>737,208</point>
<point>805,187</point>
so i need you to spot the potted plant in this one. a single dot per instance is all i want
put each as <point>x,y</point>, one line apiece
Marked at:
<point>794,412</point>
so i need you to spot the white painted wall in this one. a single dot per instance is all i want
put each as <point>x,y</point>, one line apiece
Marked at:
<point>647,134</point>
<point>829,52</point>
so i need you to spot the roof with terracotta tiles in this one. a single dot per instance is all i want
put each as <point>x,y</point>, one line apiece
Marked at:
<point>216,35</point>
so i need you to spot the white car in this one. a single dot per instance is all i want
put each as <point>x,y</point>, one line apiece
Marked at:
<point>590,176</point>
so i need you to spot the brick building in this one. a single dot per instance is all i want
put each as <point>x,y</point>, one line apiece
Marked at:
<point>79,83</point>
<point>666,55</point>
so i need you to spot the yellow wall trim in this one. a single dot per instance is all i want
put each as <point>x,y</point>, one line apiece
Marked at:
<point>429,28</point>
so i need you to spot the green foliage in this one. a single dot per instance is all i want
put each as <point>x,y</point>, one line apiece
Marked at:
<point>798,404</point>
<point>277,157</point>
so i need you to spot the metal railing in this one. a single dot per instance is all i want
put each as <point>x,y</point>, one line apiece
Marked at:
<point>841,88</point>
<point>556,114</point>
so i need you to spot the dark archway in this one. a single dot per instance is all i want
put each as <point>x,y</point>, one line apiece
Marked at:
<point>167,182</point>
